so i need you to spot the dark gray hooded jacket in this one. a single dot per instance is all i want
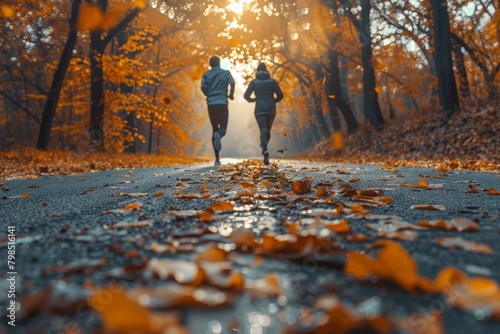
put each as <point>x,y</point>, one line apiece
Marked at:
<point>214,85</point>
<point>264,87</point>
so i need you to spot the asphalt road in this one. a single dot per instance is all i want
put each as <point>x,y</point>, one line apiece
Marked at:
<point>65,228</point>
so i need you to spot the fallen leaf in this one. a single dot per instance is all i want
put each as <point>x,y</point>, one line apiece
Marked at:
<point>423,183</point>
<point>182,271</point>
<point>267,287</point>
<point>302,187</point>
<point>492,191</point>
<point>399,235</point>
<point>393,226</point>
<point>475,295</point>
<point>428,207</point>
<point>131,194</point>
<point>393,263</point>
<point>25,195</point>
<point>338,226</point>
<point>175,296</point>
<point>456,224</point>
<point>138,319</point>
<point>460,243</point>
<point>221,206</point>
<point>142,223</point>
<point>204,187</point>
<point>193,196</point>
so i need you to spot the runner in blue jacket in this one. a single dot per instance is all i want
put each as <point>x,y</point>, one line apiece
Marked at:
<point>267,93</point>
<point>214,84</point>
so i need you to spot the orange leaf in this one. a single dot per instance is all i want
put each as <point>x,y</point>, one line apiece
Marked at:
<point>204,187</point>
<point>356,208</point>
<point>492,191</point>
<point>205,217</point>
<point>302,187</point>
<point>7,11</point>
<point>339,227</point>
<point>211,254</point>
<point>337,142</point>
<point>423,183</point>
<point>112,304</point>
<point>135,206</point>
<point>449,277</point>
<point>360,266</point>
<point>321,192</point>
<point>266,184</point>
<point>91,17</point>
<point>356,237</point>
<point>399,264</point>
<point>158,194</point>
<point>222,206</point>
<point>141,4</point>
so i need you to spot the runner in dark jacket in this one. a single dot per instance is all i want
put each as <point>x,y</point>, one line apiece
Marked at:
<point>214,84</point>
<point>267,93</point>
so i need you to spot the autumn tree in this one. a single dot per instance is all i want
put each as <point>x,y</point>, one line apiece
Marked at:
<point>102,33</point>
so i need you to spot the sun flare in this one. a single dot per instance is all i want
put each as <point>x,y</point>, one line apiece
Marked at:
<point>238,6</point>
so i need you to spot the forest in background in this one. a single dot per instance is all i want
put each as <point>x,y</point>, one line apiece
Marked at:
<point>123,76</point>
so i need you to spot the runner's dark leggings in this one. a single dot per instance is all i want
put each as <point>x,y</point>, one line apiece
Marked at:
<point>265,124</point>
<point>219,115</point>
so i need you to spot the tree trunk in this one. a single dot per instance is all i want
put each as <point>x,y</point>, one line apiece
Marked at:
<point>371,106</point>
<point>125,89</point>
<point>98,44</point>
<point>49,109</point>
<point>335,93</point>
<point>96,92</point>
<point>319,119</point>
<point>463,80</point>
<point>333,87</point>
<point>333,110</point>
<point>150,142</point>
<point>448,93</point>
<point>158,140</point>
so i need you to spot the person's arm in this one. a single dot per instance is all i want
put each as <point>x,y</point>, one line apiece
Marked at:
<point>231,86</point>
<point>277,90</point>
<point>249,92</point>
<point>204,87</point>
